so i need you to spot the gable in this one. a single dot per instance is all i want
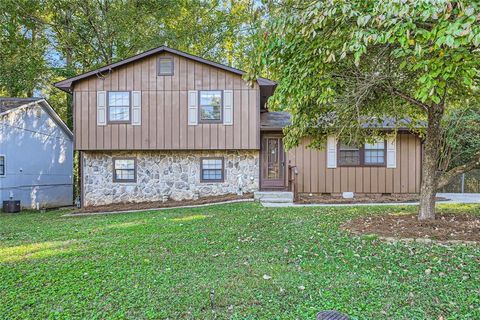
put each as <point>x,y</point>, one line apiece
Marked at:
<point>142,74</point>
<point>36,116</point>
<point>67,84</point>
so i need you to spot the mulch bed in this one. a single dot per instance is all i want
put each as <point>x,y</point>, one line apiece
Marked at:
<point>330,199</point>
<point>161,204</point>
<point>446,227</point>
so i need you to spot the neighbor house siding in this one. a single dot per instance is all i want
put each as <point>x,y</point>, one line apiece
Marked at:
<point>39,159</point>
<point>164,124</point>
<point>315,177</point>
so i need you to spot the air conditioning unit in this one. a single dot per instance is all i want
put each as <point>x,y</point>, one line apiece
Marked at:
<point>11,206</point>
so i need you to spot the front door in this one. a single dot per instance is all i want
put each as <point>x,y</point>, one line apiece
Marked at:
<point>272,162</point>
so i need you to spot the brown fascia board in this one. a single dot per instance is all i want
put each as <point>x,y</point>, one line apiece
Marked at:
<point>66,84</point>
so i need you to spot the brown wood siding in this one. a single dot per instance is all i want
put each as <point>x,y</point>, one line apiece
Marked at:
<point>315,177</point>
<point>164,109</point>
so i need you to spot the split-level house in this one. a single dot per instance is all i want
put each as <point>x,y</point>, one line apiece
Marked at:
<point>165,124</point>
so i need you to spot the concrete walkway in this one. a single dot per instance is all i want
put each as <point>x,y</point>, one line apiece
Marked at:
<point>453,198</point>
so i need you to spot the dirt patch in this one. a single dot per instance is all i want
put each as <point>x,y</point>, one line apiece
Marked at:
<point>305,198</point>
<point>446,227</point>
<point>160,204</point>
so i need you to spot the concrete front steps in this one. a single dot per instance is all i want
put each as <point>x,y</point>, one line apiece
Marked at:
<point>267,197</point>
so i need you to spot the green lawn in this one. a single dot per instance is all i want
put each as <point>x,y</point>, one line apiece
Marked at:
<point>211,262</point>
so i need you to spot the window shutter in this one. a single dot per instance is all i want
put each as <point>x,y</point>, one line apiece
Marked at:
<point>331,152</point>
<point>228,107</point>
<point>192,107</point>
<point>392,152</point>
<point>101,108</point>
<point>136,108</point>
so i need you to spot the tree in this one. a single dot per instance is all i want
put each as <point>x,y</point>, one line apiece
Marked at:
<point>340,63</point>
<point>81,35</point>
<point>460,142</point>
<point>23,47</point>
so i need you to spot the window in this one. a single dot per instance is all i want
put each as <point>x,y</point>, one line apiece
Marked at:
<point>165,67</point>
<point>375,153</point>
<point>370,154</point>
<point>2,165</point>
<point>349,155</point>
<point>119,107</point>
<point>211,170</point>
<point>124,170</point>
<point>210,106</point>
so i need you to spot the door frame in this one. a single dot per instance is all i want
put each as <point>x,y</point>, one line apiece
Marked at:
<point>283,185</point>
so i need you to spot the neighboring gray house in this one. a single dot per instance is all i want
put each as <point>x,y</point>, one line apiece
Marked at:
<point>36,154</point>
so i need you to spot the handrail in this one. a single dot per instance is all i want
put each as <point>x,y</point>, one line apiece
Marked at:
<point>292,181</point>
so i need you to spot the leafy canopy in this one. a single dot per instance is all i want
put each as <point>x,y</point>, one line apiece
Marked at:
<point>341,62</point>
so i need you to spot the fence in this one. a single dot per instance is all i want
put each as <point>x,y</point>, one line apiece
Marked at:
<point>465,183</point>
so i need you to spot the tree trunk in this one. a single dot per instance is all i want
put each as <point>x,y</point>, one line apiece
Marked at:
<point>428,189</point>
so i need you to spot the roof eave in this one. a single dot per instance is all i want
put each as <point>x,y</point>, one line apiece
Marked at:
<point>67,89</point>
<point>48,108</point>
<point>271,128</point>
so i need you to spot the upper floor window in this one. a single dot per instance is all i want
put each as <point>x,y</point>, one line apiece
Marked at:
<point>119,106</point>
<point>124,170</point>
<point>370,154</point>
<point>210,106</point>
<point>2,165</point>
<point>165,66</point>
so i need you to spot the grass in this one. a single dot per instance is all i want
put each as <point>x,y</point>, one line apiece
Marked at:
<point>216,263</point>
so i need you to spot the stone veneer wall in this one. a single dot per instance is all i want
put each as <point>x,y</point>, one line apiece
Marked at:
<point>164,175</point>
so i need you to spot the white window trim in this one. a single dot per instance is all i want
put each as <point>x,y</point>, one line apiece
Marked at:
<point>129,121</point>
<point>210,121</point>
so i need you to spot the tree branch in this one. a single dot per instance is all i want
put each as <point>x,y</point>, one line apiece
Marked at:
<point>448,176</point>
<point>406,97</point>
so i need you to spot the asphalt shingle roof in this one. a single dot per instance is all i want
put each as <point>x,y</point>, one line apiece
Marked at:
<point>277,120</point>
<point>274,120</point>
<point>7,104</point>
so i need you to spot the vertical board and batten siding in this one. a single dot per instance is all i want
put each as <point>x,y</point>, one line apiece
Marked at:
<point>315,177</point>
<point>164,111</point>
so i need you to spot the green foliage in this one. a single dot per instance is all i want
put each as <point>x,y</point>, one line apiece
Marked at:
<point>23,44</point>
<point>75,36</point>
<point>159,265</point>
<point>462,136</point>
<point>339,63</point>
